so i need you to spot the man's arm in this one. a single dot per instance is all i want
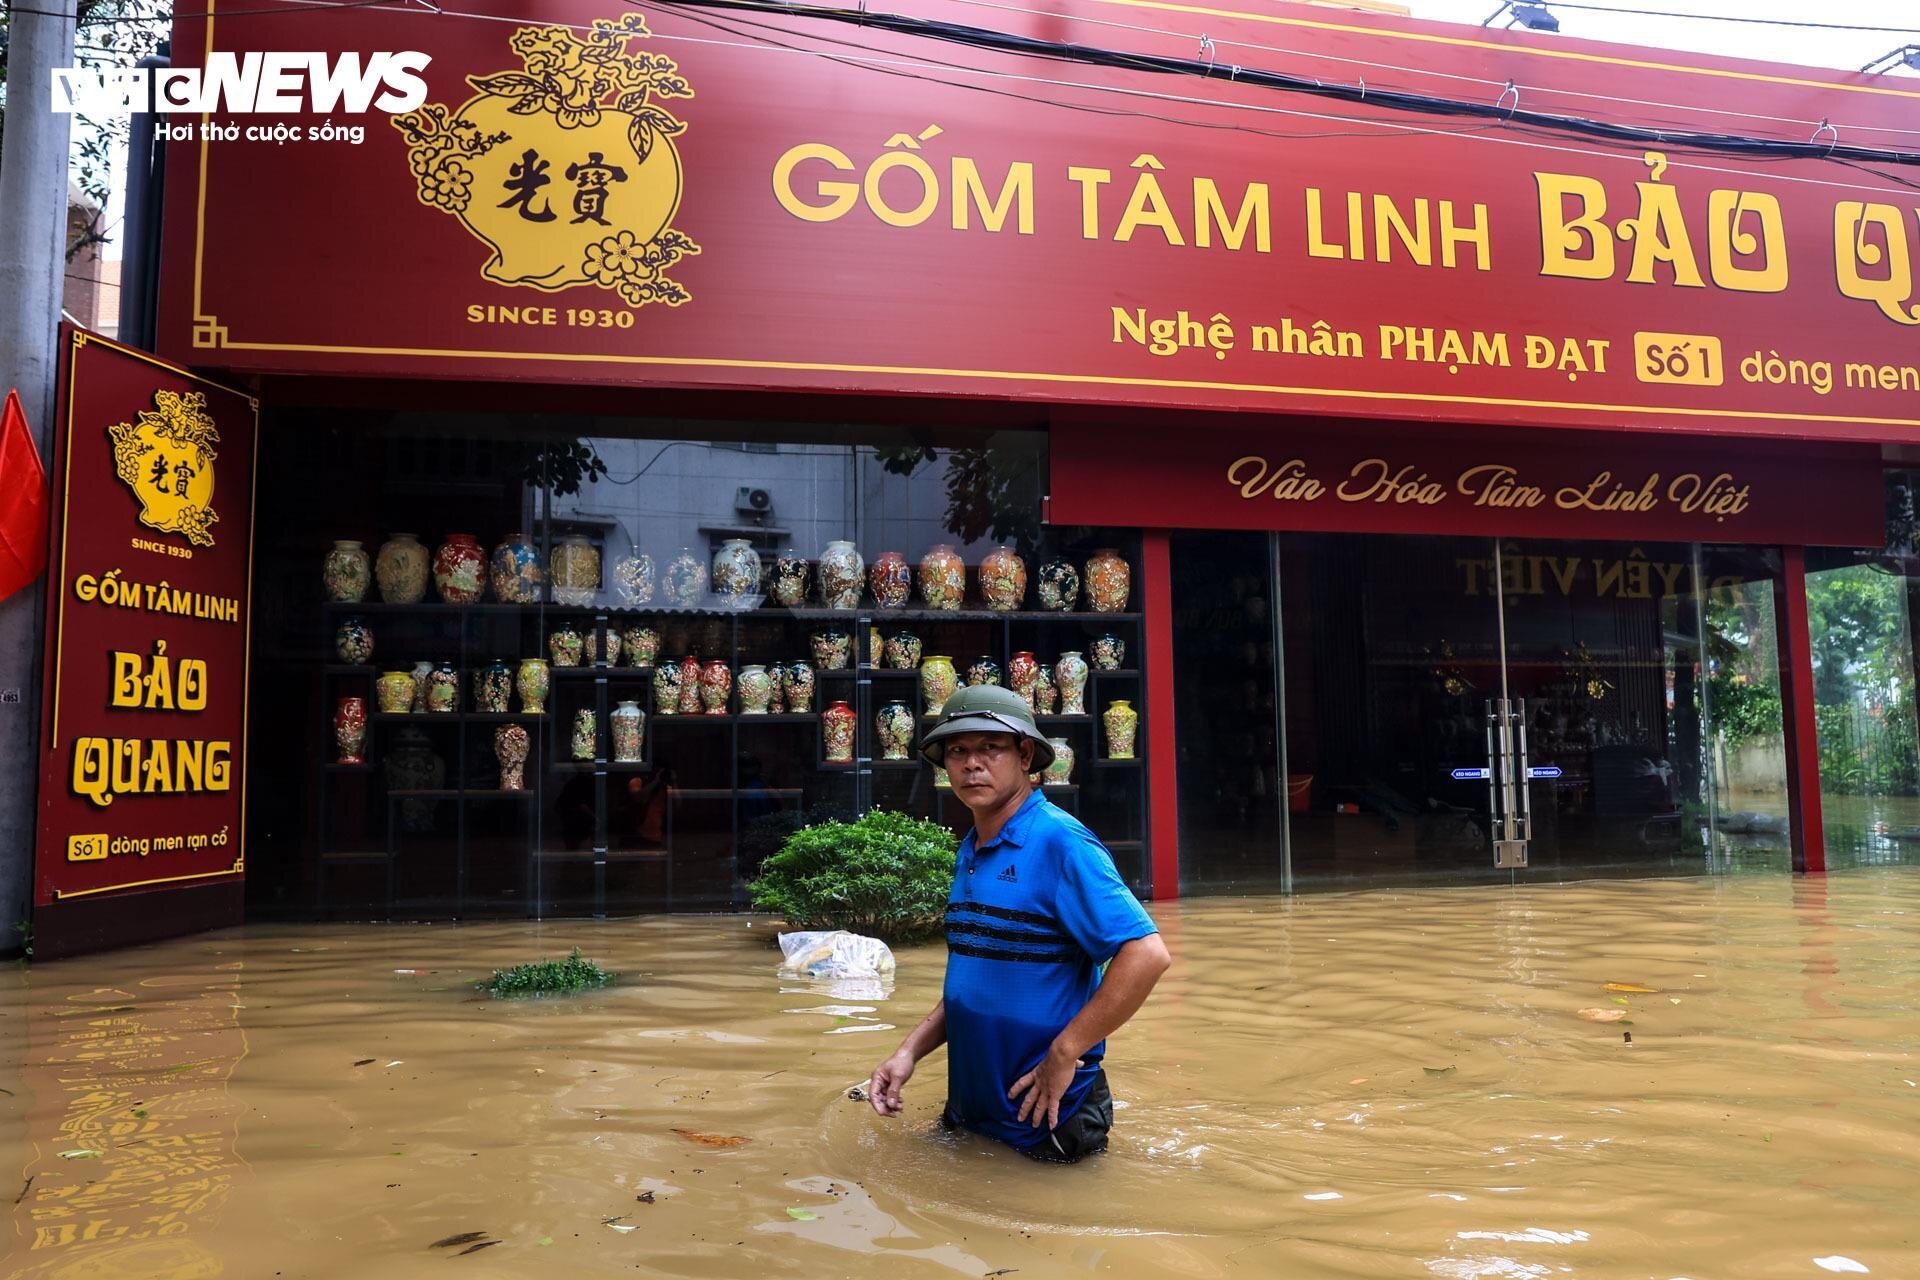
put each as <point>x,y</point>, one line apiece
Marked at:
<point>883,1089</point>
<point>1136,967</point>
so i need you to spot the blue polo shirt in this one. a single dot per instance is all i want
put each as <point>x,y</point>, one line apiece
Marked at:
<point>1033,916</point>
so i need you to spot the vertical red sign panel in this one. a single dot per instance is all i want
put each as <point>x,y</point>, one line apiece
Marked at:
<point>143,726</point>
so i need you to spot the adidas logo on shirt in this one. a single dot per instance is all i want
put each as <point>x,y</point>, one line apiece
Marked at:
<point>1008,874</point>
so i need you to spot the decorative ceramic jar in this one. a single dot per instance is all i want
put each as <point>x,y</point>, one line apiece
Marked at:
<point>493,688</point>
<point>628,727</point>
<point>421,673</point>
<point>345,572</point>
<point>890,580</point>
<point>1121,721</point>
<point>895,725</point>
<point>756,690</point>
<point>941,778</point>
<point>394,692</point>
<point>1109,580</point>
<point>459,569</point>
<point>716,685</point>
<point>666,689</point>
<point>564,645</point>
<point>1109,653</point>
<point>943,578</point>
<point>790,575</point>
<point>983,670</point>
<point>685,580</point>
<point>411,764</point>
<point>633,578</point>
<point>876,648</point>
<point>1003,579</point>
<point>443,688</point>
<point>1022,671</point>
<point>799,687</point>
<point>1070,673</point>
<point>515,571</point>
<point>576,570</point>
<point>836,728</point>
<point>590,646</point>
<point>1046,694</point>
<point>350,729</point>
<point>586,733</point>
<point>776,687</point>
<point>532,680</point>
<point>353,642</point>
<point>690,685</point>
<point>903,651</point>
<point>736,574</point>
<point>639,644</point>
<point>842,574</point>
<point>832,649</point>
<point>1060,772</point>
<point>1059,585</point>
<point>938,680</point>
<point>510,749</point>
<point>401,570</point>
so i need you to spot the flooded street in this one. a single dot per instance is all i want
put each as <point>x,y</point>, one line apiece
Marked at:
<point>1372,1085</point>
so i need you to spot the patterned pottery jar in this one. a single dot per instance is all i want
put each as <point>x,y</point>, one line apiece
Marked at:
<point>459,569</point>
<point>590,646</point>
<point>1109,581</point>
<point>938,680</point>
<point>353,642</point>
<point>639,644</point>
<point>666,689</point>
<point>443,688</point>
<point>799,687</point>
<point>790,577</point>
<point>941,778</point>
<point>345,572</point>
<point>716,685</point>
<point>895,726</point>
<point>685,581</point>
<point>890,580</point>
<point>1109,653</point>
<point>532,680</point>
<point>422,672</point>
<point>1022,671</point>
<point>1059,585</point>
<point>633,579</point>
<point>628,728</point>
<point>903,651</point>
<point>1003,579</point>
<point>689,685</point>
<point>836,730</point>
<point>756,690</point>
<point>586,734</point>
<point>514,569</point>
<point>510,749</point>
<point>842,575</point>
<point>983,670</point>
<point>411,764</point>
<point>1121,721</point>
<point>576,570</point>
<point>736,574</point>
<point>401,570</point>
<point>832,649</point>
<point>564,645</point>
<point>876,648</point>
<point>1070,673</point>
<point>1046,694</point>
<point>776,687</point>
<point>394,692</point>
<point>1060,772</point>
<point>350,730</point>
<point>943,578</point>
<point>493,688</point>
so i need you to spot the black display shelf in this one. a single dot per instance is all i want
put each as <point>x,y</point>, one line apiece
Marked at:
<point>349,669</point>
<point>1134,763</point>
<point>1114,673</point>
<point>335,766</point>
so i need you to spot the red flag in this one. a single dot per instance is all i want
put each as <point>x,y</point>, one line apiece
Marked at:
<point>23,502</point>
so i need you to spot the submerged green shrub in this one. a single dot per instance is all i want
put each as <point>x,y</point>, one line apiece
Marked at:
<point>885,875</point>
<point>547,977</point>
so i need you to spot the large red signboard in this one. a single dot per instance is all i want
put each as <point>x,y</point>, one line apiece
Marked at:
<point>143,736</point>
<point>706,198</point>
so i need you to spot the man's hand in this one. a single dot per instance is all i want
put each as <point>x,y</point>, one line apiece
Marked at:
<point>1044,1086</point>
<point>883,1089</point>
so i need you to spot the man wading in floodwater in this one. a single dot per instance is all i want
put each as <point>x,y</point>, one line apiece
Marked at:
<point>1037,907</point>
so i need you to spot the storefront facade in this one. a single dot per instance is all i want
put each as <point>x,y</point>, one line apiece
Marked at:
<point>1386,432</point>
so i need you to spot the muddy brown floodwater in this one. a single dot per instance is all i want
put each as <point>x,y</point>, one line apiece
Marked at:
<point>1368,1085</point>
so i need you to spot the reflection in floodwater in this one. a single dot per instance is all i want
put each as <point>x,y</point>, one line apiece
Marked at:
<point>1383,1084</point>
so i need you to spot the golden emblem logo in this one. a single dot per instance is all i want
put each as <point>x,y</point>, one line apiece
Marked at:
<point>566,169</point>
<point>166,459</point>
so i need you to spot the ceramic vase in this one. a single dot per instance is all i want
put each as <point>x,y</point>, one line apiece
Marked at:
<point>1108,653</point>
<point>639,644</point>
<point>345,572</point>
<point>515,572</point>
<point>832,649</point>
<point>938,680</point>
<point>895,726</point>
<point>1022,671</point>
<point>736,574</point>
<point>628,728</point>
<point>493,688</point>
<point>756,690</point>
<point>585,738</point>
<point>1109,581</point>
<point>1121,720</point>
<point>350,729</point>
<point>421,673</point>
<point>394,692</point>
<point>1060,772</point>
<point>983,670</point>
<point>532,680</point>
<point>564,645</point>
<point>800,686</point>
<point>842,574</point>
<point>890,580</point>
<point>459,569</point>
<point>1003,579</point>
<point>685,580</point>
<point>836,729</point>
<point>443,688</point>
<point>790,576</point>
<point>941,778</point>
<point>776,687</point>
<point>1058,584</point>
<point>903,651</point>
<point>1046,694</point>
<point>1070,673</point>
<point>400,569</point>
<point>411,764</point>
<point>633,579</point>
<point>666,689</point>
<point>353,642</point>
<point>590,646</point>
<point>716,685</point>
<point>575,570</point>
<point>510,749</point>
<point>689,685</point>
<point>943,578</point>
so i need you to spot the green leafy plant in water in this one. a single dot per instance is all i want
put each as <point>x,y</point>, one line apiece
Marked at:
<point>547,977</point>
<point>885,875</point>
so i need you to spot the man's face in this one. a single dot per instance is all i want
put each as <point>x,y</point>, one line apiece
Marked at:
<point>988,769</point>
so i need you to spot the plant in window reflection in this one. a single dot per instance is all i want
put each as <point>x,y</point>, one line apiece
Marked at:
<point>990,492</point>
<point>562,465</point>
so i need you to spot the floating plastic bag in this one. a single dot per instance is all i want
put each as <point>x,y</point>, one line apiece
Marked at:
<point>834,954</point>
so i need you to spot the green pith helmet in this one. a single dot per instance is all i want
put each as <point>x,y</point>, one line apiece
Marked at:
<point>986,708</point>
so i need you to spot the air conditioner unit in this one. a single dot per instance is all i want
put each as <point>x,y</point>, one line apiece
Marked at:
<point>752,502</point>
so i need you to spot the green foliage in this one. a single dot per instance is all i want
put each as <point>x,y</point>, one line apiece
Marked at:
<point>25,929</point>
<point>547,977</point>
<point>1869,750</point>
<point>885,875</point>
<point>990,491</point>
<point>1743,709</point>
